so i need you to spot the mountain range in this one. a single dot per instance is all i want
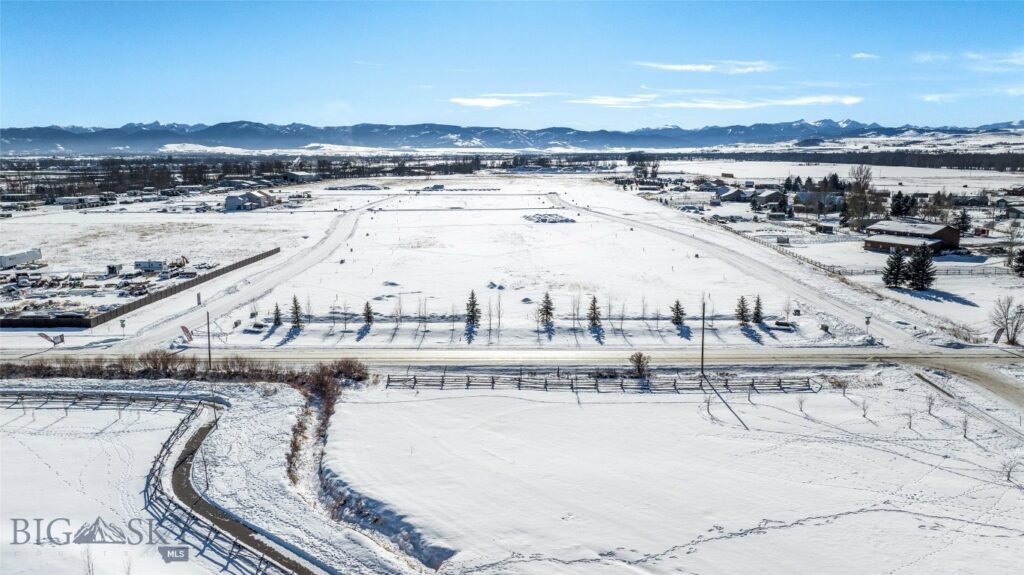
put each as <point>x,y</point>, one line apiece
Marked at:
<point>138,138</point>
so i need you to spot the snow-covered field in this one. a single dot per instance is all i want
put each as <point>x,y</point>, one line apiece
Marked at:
<point>929,180</point>
<point>488,233</point>
<point>535,482</point>
<point>81,465</point>
<point>538,482</point>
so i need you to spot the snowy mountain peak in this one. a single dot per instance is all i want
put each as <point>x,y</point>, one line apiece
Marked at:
<point>142,138</point>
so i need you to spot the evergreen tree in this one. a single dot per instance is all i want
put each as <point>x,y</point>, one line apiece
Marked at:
<point>472,311</point>
<point>742,311</point>
<point>896,209</point>
<point>834,184</point>
<point>594,313</point>
<point>788,184</point>
<point>546,310</point>
<point>798,184</point>
<point>758,315</point>
<point>277,315</point>
<point>678,313</point>
<point>963,221</point>
<point>895,272</point>
<point>296,313</point>
<point>368,314</point>
<point>1018,262</point>
<point>921,270</point>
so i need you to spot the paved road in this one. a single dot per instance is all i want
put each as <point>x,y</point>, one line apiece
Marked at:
<point>249,288</point>
<point>182,485</point>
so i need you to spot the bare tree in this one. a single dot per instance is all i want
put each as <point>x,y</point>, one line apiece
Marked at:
<point>964,424</point>
<point>575,308</point>
<point>800,401</point>
<point>398,311</point>
<point>864,409</point>
<point>929,402</point>
<point>490,317</point>
<point>622,318</point>
<point>499,318</point>
<point>1008,316</point>
<point>641,364</point>
<point>643,308</point>
<point>1008,467</point>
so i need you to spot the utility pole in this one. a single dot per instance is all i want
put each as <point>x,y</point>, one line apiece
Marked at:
<point>209,344</point>
<point>703,305</point>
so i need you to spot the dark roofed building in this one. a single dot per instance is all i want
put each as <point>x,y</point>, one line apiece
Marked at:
<point>885,242</point>
<point>948,236</point>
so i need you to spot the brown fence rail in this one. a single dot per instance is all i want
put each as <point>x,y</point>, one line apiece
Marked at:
<point>93,321</point>
<point>574,384</point>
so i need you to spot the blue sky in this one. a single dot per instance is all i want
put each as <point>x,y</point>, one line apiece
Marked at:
<point>526,65</point>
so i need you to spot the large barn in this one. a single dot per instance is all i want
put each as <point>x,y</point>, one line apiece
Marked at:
<point>889,235</point>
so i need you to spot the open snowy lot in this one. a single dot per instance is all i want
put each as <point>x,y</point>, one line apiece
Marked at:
<point>88,240</point>
<point>82,464</point>
<point>929,180</point>
<point>535,482</point>
<point>414,250</point>
<point>427,252</point>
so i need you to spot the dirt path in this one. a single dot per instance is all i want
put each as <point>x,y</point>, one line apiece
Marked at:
<point>183,490</point>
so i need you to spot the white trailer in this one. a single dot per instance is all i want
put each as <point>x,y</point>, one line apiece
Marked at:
<point>11,260</point>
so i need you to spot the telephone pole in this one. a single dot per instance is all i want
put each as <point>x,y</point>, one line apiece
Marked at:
<point>703,305</point>
<point>209,351</point>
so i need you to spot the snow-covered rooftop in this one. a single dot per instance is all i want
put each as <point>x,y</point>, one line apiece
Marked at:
<point>902,240</point>
<point>889,226</point>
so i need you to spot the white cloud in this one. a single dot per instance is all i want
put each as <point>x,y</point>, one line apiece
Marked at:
<point>865,56</point>
<point>928,57</point>
<point>652,101</point>
<point>637,101</point>
<point>721,67</point>
<point>996,62</point>
<point>752,104</point>
<point>704,91</point>
<point>523,95</point>
<point>1015,91</point>
<point>940,98</point>
<point>485,102</point>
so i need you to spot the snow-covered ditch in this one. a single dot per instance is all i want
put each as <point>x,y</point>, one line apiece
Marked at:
<point>542,482</point>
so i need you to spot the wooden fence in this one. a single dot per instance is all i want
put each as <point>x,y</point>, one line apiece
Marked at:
<point>213,544</point>
<point>93,321</point>
<point>572,383</point>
